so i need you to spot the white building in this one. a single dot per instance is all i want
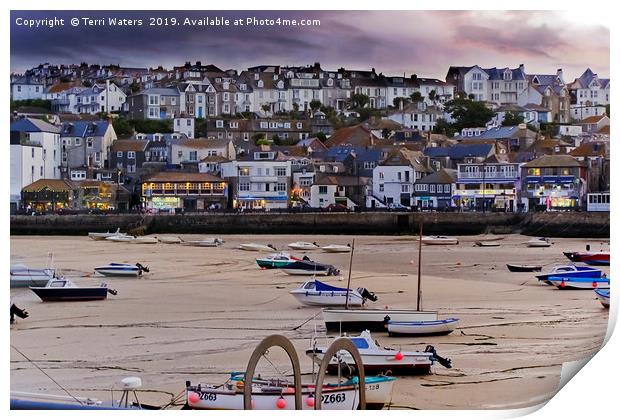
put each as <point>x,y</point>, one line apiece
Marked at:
<point>393,179</point>
<point>185,126</point>
<point>194,150</point>
<point>417,116</point>
<point>261,183</point>
<point>589,95</point>
<point>108,98</point>
<point>501,86</point>
<point>23,88</point>
<point>34,154</point>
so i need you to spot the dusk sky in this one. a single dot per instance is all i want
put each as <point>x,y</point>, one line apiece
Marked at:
<point>421,42</point>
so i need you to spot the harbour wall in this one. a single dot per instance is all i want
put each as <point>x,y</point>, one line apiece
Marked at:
<point>553,224</point>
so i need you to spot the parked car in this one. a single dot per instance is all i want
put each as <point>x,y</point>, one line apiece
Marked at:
<point>398,207</point>
<point>337,208</point>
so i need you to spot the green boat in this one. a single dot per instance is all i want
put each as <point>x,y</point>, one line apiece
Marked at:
<point>279,260</point>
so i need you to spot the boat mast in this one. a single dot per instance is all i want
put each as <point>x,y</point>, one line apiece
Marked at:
<point>420,264</point>
<point>346,302</point>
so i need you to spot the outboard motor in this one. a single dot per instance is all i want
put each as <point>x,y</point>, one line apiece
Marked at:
<point>447,363</point>
<point>15,311</point>
<point>142,268</point>
<point>367,294</point>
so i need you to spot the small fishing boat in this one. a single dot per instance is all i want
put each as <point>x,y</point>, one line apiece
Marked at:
<point>99,236</point>
<point>372,319</point>
<point>22,276</point>
<point>122,270</point>
<point>539,243</point>
<point>277,260</point>
<point>439,240</point>
<point>206,242</point>
<point>278,394</point>
<point>65,290</point>
<point>333,248</point>
<point>487,243</point>
<point>590,258</point>
<point>378,388</point>
<point>569,270</point>
<point>144,240</point>
<point>120,238</point>
<point>303,246</point>
<point>257,247</point>
<point>439,327</point>
<point>316,293</point>
<point>381,360</point>
<point>170,239</point>
<point>603,296</point>
<point>572,283</point>
<point>306,268</point>
<point>523,268</point>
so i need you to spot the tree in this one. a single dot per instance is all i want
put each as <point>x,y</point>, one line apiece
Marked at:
<point>468,113</point>
<point>152,126</point>
<point>134,87</point>
<point>432,95</point>
<point>444,127</point>
<point>315,105</point>
<point>266,107</point>
<point>359,100</point>
<point>321,136</point>
<point>607,110</point>
<point>276,139</point>
<point>400,100</point>
<point>258,137</point>
<point>416,97</point>
<point>511,119</point>
<point>87,83</point>
<point>386,133</point>
<point>295,106</point>
<point>122,127</point>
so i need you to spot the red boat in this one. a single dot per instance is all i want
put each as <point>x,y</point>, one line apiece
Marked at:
<point>590,258</point>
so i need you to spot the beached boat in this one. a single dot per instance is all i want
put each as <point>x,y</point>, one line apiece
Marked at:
<point>439,240</point>
<point>307,268</point>
<point>569,270</point>
<point>572,283</point>
<point>487,243</point>
<point>277,260</point>
<point>99,236</point>
<point>590,258</point>
<point>316,293</point>
<point>539,243</point>
<point>144,240</point>
<point>303,246</point>
<point>278,394</point>
<point>603,296</point>
<point>381,360</point>
<point>122,270</point>
<point>439,327</point>
<point>336,248</point>
<point>523,268</point>
<point>372,319</point>
<point>65,290</point>
<point>120,238</point>
<point>22,276</point>
<point>170,239</point>
<point>257,247</point>
<point>206,242</point>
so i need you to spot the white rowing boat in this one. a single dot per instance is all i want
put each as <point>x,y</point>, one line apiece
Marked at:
<point>438,327</point>
<point>336,248</point>
<point>539,243</point>
<point>316,293</point>
<point>144,240</point>
<point>303,246</point>
<point>170,239</point>
<point>257,247</point>
<point>439,240</point>
<point>99,236</point>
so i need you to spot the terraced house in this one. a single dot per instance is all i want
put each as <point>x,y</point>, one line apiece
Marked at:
<point>156,104</point>
<point>501,86</point>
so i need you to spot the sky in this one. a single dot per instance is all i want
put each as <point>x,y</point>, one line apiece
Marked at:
<point>426,43</point>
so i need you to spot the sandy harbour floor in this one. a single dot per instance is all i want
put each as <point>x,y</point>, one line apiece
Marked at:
<point>200,312</point>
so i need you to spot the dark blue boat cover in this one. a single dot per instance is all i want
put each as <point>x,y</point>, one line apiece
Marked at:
<point>322,287</point>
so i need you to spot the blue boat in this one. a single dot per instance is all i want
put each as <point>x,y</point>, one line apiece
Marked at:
<point>572,271</point>
<point>603,296</point>
<point>572,283</point>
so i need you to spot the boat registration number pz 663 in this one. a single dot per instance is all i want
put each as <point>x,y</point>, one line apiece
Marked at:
<point>207,396</point>
<point>333,398</point>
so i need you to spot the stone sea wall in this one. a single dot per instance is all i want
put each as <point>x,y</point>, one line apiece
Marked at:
<point>554,224</point>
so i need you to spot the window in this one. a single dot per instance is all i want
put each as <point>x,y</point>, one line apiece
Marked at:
<point>322,189</point>
<point>381,187</point>
<point>244,186</point>
<point>119,154</point>
<point>97,156</point>
<point>219,124</point>
<point>447,188</point>
<point>280,171</point>
<point>89,143</point>
<point>193,155</point>
<point>280,186</point>
<point>180,154</point>
<point>131,155</point>
<point>381,175</point>
<point>404,188</point>
<point>432,188</point>
<point>78,141</point>
<point>131,169</point>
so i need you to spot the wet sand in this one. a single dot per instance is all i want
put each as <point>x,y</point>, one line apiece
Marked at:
<point>200,312</point>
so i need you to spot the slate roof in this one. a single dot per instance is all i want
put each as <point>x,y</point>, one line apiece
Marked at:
<point>357,135</point>
<point>508,132</point>
<point>33,125</point>
<point>183,177</point>
<point>459,151</point>
<point>444,176</point>
<point>50,184</point>
<point>84,128</point>
<point>129,145</point>
<point>341,180</point>
<point>553,161</point>
<point>340,153</point>
<point>169,91</point>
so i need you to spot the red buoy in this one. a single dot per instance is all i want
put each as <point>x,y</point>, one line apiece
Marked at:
<point>310,401</point>
<point>594,284</point>
<point>193,397</point>
<point>399,356</point>
<point>281,403</point>
<point>562,285</point>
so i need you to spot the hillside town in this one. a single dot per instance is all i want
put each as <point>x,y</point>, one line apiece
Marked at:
<point>196,138</point>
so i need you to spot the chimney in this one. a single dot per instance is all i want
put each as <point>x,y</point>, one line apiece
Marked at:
<point>560,75</point>
<point>522,68</point>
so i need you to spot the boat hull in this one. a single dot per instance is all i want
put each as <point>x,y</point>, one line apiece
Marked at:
<point>315,298</point>
<point>603,296</point>
<point>30,277</point>
<point>516,268</point>
<point>588,273</point>
<point>303,272</point>
<point>300,246</point>
<point>271,264</point>
<point>118,271</point>
<point>371,319</point>
<point>255,247</point>
<point>336,249</point>
<point>574,283</point>
<point>431,240</point>
<point>601,258</point>
<point>383,363</point>
<point>51,294</point>
<point>439,327</point>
